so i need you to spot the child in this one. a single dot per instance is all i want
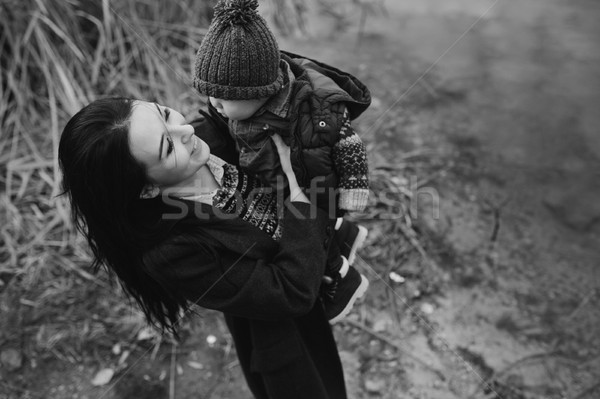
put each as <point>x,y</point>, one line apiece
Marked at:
<point>264,91</point>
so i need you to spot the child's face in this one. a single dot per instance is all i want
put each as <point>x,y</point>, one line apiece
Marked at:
<point>237,110</point>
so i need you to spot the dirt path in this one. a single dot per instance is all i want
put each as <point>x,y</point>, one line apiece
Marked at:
<point>509,105</point>
<point>490,107</point>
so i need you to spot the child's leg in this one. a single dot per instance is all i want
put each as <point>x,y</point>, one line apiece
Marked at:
<point>350,237</point>
<point>347,285</point>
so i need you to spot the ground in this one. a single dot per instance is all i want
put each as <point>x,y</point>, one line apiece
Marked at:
<point>482,252</point>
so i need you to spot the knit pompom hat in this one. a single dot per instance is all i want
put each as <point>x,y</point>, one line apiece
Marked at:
<point>238,58</point>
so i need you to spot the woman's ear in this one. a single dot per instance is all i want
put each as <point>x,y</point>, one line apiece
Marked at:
<point>149,191</point>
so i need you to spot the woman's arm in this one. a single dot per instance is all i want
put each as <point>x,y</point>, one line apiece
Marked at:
<point>246,278</point>
<point>284,284</point>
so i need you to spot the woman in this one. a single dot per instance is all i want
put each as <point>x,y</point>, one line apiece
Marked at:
<point>180,227</point>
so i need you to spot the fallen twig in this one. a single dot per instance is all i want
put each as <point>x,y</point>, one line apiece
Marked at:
<point>410,234</point>
<point>173,371</point>
<point>429,89</point>
<point>588,297</point>
<point>391,343</point>
<point>499,374</point>
<point>40,235</point>
<point>587,390</point>
<point>433,176</point>
<point>27,391</point>
<point>69,266</point>
<point>526,359</point>
<point>418,153</point>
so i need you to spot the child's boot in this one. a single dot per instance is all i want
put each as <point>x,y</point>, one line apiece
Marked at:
<point>347,286</point>
<point>350,237</point>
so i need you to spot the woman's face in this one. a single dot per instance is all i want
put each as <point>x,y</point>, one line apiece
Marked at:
<point>160,139</point>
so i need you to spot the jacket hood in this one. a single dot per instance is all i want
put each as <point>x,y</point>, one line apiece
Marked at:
<point>331,81</point>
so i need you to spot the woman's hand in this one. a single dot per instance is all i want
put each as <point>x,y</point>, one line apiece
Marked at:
<point>296,193</point>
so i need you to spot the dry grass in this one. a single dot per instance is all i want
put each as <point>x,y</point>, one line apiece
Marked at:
<point>57,56</point>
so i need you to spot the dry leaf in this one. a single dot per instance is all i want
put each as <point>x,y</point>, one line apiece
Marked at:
<point>211,340</point>
<point>123,357</point>
<point>195,365</point>
<point>396,278</point>
<point>103,377</point>
<point>427,308</point>
<point>146,333</point>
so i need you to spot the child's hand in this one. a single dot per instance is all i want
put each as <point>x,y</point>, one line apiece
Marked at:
<point>284,154</point>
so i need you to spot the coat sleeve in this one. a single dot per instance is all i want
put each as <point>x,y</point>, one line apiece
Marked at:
<point>350,161</point>
<point>285,285</point>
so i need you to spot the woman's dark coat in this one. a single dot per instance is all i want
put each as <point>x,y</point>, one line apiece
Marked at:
<point>267,290</point>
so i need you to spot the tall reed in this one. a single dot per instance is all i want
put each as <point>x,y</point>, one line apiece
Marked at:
<point>57,56</point>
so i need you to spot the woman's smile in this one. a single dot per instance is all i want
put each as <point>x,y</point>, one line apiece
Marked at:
<point>195,145</point>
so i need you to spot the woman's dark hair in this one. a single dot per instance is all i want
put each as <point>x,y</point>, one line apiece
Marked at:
<point>104,181</point>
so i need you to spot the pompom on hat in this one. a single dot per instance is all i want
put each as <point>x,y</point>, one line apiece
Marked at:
<point>238,58</point>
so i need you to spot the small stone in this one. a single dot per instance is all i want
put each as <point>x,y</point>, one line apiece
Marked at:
<point>146,333</point>
<point>396,278</point>
<point>427,308</point>
<point>103,377</point>
<point>375,102</point>
<point>123,358</point>
<point>374,385</point>
<point>211,340</point>
<point>195,365</point>
<point>11,359</point>
<point>382,322</point>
